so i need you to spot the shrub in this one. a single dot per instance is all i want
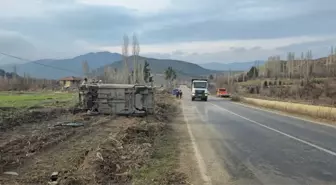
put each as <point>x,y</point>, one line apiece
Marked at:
<point>236,98</point>
<point>257,89</point>
<point>251,90</point>
<point>265,83</point>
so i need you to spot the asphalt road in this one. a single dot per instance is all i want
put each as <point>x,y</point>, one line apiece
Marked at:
<point>242,145</point>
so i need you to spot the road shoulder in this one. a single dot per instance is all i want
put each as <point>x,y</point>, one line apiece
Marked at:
<point>188,161</point>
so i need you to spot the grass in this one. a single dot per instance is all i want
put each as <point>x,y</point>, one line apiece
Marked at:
<point>327,113</point>
<point>163,162</point>
<point>31,99</point>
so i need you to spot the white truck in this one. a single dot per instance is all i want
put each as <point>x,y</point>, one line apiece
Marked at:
<point>199,89</point>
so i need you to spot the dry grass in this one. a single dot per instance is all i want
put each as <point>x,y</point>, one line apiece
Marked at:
<point>106,150</point>
<point>322,112</point>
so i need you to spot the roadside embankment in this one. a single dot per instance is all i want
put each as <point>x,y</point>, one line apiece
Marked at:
<point>162,167</point>
<point>320,112</point>
<point>64,147</point>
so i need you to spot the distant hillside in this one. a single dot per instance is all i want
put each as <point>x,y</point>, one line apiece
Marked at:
<point>158,66</point>
<point>74,65</point>
<point>239,66</point>
<point>97,61</point>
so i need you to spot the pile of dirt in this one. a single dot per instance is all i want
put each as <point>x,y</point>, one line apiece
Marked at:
<point>116,159</point>
<point>165,107</point>
<point>15,152</point>
<point>16,117</point>
<point>118,155</point>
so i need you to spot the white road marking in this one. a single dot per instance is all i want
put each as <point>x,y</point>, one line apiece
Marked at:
<point>199,158</point>
<point>282,133</point>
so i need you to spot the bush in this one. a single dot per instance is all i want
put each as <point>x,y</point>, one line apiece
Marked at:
<point>257,89</point>
<point>265,83</point>
<point>251,90</point>
<point>272,91</point>
<point>236,98</point>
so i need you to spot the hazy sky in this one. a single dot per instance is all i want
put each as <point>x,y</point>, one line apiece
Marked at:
<point>194,30</point>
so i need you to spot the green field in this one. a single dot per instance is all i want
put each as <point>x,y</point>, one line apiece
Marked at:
<point>38,99</point>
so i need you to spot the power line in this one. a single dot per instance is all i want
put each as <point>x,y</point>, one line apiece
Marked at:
<point>45,65</point>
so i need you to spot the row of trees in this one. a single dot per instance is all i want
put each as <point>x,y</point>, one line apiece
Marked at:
<point>136,73</point>
<point>302,67</point>
<point>115,75</point>
<point>15,82</point>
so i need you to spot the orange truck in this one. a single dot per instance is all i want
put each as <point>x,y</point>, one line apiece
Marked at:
<point>221,92</point>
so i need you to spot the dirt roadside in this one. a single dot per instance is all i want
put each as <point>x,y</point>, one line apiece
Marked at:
<point>101,150</point>
<point>188,162</point>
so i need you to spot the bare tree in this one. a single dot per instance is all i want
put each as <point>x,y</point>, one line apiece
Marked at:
<point>134,59</point>
<point>292,59</point>
<point>331,63</point>
<point>136,66</point>
<point>140,74</point>
<point>126,73</point>
<point>301,65</point>
<point>290,66</point>
<point>86,68</point>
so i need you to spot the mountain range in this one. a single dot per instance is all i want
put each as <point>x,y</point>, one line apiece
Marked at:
<point>54,69</point>
<point>158,66</point>
<point>58,68</point>
<point>238,66</point>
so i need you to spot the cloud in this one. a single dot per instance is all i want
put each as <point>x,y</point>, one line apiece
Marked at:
<point>220,45</point>
<point>59,32</point>
<point>227,51</point>
<point>245,29</point>
<point>12,42</point>
<point>319,48</point>
<point>224,56</point>
<point>186,29</point>
<point>141,6</point>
